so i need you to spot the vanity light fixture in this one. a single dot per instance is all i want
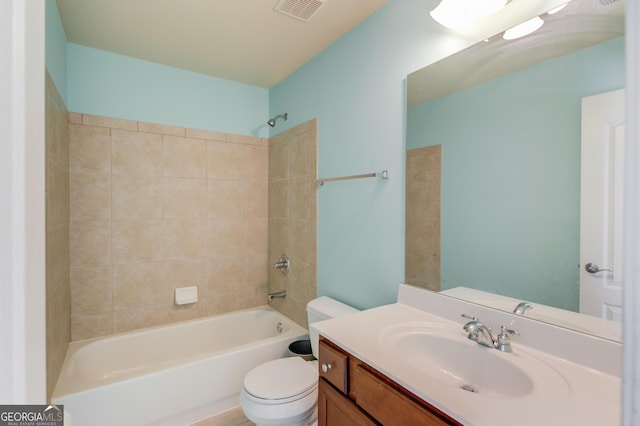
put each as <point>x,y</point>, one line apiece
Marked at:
<point>461,14</point>
<point>521,30</point>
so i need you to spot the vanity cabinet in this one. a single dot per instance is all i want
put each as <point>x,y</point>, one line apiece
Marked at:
<point>350,392</point>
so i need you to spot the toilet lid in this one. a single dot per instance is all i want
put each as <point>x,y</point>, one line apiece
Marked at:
<point>281,378</point>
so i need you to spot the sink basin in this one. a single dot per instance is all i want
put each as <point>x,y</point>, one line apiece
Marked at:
<point>446,355</point>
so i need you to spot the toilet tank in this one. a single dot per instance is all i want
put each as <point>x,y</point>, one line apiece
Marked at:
<point>321,309</point>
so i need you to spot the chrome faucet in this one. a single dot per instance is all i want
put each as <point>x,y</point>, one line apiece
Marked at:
<point>522,308</point>
<point>279,295</point>
<point>283,264</point>
<point>481,334</point>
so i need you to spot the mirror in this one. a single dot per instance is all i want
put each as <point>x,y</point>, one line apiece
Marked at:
<point>493,164</point>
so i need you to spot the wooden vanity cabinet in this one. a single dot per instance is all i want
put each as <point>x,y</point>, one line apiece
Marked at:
<point>350,392</point>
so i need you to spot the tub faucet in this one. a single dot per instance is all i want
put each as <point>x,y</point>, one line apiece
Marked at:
<point>279,295</point>
<point>522,308</point>
<point>282,264</point>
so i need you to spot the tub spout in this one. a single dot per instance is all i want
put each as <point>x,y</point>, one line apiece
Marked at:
<point>279,295</point>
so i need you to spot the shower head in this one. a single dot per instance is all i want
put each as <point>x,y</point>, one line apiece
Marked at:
<point>272,122</point>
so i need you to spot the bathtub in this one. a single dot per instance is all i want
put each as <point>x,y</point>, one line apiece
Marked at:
<point>170,375</point>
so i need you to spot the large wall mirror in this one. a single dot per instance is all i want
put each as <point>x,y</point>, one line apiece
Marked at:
<point>493,164</point>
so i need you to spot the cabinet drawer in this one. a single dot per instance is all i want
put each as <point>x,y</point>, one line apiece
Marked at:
<point>333,364</point>
<point>389,406</point>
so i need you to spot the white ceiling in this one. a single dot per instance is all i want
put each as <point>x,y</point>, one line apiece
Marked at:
<point>239,40</point>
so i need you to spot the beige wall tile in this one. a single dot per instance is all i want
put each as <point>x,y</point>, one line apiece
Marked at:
<point>422,263</point>
<point>57,193</point>
<point>185,197</point>
<point>91,291</point>
<point>185,157</point>
<point>113,123</point>
<point>89,149</point>
<point>301,194</point>
<point>136,153</point>
<point>225,160</point>
<point>139,285</point>
<point>136,197</point>
<point>242,139</point>
<point>226,198</point>
<point>90,196</point>
<point>279,198</point>
<point>186,273</point>
<point>185,238</point>
<point>292,217</point>
<point>57,257</point>
<point>225,274</point>
<point>146,220</point>
<point>136,240</point>
<point>257,199</point>
<point>57,249</point>
<point>257,271</point>
<point>161,129</point>
<point>226,236</point>
<point>87,326</point>
<point>256,235</point>
<point>278,235</point>
<point>278,161</point>
<point>206,134</point>
<point>302,155</point>
<point>255,163</point>
<point>75,118</point>
<point>133,319</point>
<point>90,243</point>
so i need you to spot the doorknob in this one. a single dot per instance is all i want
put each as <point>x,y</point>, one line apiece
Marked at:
<point>592,268</point>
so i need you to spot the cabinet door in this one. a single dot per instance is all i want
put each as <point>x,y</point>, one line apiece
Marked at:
<point>390,406</point>
<point>335,409</point>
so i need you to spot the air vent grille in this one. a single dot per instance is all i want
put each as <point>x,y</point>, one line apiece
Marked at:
<point>302,10</point>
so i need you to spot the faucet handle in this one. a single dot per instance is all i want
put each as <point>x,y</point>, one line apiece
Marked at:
<point>469,317</point>
<point>503,342</point>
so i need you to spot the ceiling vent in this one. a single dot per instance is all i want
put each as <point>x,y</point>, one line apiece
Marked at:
<point>302,10</point>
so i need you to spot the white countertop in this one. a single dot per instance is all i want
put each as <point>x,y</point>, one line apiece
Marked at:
<point>579,395</point>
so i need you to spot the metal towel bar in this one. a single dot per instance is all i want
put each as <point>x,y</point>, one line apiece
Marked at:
<point>383,174</point>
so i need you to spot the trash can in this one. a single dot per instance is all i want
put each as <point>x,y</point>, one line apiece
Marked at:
<point>301,348</point>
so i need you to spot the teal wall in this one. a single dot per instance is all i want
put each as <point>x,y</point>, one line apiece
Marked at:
<point>511,198</point>
<point>56,48</point>
<point>104,83</point>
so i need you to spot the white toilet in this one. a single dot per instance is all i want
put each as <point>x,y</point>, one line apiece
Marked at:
<point>285,391</point>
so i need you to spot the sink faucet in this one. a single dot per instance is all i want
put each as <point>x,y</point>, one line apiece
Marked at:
<point>522,308</point>
<point>480,333</point>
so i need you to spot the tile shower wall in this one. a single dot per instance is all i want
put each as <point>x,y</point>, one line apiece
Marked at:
<point>293,217</point>
<point>422,243</point>
<point>57,231</point>
<point>157,207</point>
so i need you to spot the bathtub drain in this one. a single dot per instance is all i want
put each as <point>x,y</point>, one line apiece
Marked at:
<point>279,327</point>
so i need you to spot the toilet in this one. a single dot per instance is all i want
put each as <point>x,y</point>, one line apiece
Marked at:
<point>285,391</point>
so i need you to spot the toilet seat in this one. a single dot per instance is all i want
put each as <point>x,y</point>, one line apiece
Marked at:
<point>281,381</point>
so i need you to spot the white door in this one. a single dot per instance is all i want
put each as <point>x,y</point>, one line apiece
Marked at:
<point>601,206</point>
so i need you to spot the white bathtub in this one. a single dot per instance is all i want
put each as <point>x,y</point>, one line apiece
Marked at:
<point>170,375</point>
